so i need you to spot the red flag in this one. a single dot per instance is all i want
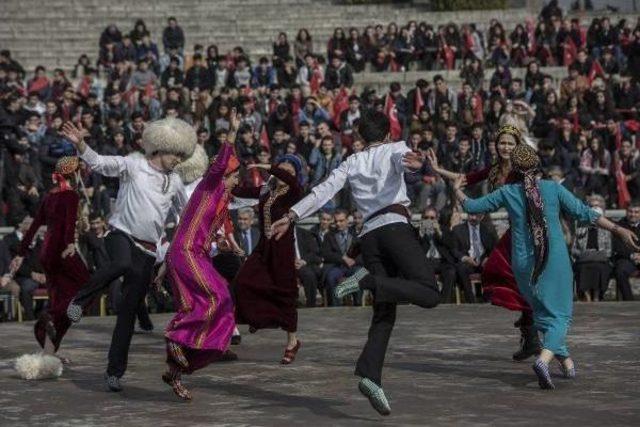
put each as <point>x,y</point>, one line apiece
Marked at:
<point>570,52</point>
<point>84,88</point>
<point>340,104</point>
<point>624,197</point>
<point>391,112</point>
<point>418,102</point>
<point>264,138</point>
<point>596,70</point>
<point>449,57</point>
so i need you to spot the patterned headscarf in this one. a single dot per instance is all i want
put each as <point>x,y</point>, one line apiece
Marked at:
<point>525,161</point>
<point>66,167</point>
<point>495,180</point>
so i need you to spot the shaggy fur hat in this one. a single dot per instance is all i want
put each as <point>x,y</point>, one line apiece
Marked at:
<point>169,135</point>
<point>194,167</point>
<point>38,366</point>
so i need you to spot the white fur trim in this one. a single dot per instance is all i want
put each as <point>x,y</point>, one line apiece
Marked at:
<point>194,167</point>
<point>170,135</point>
<point>38,366</point>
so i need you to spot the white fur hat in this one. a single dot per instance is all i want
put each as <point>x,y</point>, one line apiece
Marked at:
<point>169,135</point>
<point>194,167</point>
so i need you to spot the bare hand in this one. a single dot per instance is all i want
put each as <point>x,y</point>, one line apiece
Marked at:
<point>73,133</point>
<point>234,120</point>
<point>299,263</point>
<point>280,227</point>
<point>350,262</point>
<point>412,160</point>
<point>15,265</point>
<point>69,251</point>
<point>459,182</point>
<point>629,237</point>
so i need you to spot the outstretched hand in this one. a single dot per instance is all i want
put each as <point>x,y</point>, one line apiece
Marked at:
<point>459,182</point>
<point>73,133</point>
<point>412,160</point>
<point>280,227</point>
<point>629,237</point>
<point>432,158</point>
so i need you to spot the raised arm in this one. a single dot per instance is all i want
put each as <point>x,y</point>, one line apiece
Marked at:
<point>104,165</point>
<point>435,165</point>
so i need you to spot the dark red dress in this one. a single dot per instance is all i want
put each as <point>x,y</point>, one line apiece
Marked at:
<point>498,282</point>
<point>266,286</point>
<point>65,277</point>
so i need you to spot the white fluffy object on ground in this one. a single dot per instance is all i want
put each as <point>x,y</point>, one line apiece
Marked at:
<point>38,366</point>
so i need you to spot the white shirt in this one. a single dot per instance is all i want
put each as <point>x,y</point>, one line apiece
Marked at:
<point>141,206</point>
<point>376,179</point>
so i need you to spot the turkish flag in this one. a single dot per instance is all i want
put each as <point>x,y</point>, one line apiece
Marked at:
<point>596,70</point>
<point>264,138</point>
<point>340,104</point>
<point>391,112</point>
<point>624,197</point>
<point>418,102</point>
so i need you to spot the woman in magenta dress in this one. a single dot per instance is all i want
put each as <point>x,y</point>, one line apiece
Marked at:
<point>498,281</point>
<point>266,286</point>
<point>65,271</point>
<point>200,332</point>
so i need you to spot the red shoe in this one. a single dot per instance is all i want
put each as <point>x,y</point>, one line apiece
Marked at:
<point>290,353</point>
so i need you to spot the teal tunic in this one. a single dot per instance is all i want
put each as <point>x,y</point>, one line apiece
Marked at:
<point>552,297</point>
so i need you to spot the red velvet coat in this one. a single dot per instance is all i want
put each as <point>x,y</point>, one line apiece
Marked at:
<point>266,286</point>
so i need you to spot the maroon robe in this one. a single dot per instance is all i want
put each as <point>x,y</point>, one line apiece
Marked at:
<point>65,277</point>
<point>266,286</point>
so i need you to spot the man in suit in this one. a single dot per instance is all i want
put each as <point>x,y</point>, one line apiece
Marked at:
<point>438,254</point>
<point>626,261</point>
<point>323,227</point>
<point>308,263</point>
<point>246,234</point>
<point>335,253</point>
<point>473,241</point>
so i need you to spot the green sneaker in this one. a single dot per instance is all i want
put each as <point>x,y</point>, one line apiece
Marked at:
<point>376,396</point>
<point>350,284</point>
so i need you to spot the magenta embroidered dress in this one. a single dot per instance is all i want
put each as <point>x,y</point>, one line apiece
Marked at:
<point>204,320</point>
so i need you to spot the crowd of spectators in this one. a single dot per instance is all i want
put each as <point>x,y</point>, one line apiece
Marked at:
<point>302,102</point>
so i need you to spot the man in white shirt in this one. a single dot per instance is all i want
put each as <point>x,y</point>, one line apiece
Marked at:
<point>395,270</point>
<point>149,188</point>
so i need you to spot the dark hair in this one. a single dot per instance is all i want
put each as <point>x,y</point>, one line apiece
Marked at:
<point>341,211</point>
<point>94,216</point>
<point>374,126</point>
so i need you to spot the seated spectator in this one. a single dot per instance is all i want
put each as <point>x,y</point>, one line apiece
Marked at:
<point>173,36</point>
<point>7,284</point>
<point>626,261</point>
<point>630,165</point>
<point>335,253</point>
<point>591,251</point>
<point>308,264</point>
<point>338,74</point>
<point>313,113</point>
<point>438,253</point>
<point>320,230</point>
<point>472,242</point>
<point>595,166</point>
<point>21,185</point>
<point>323,160</point>
<point>246,234</point>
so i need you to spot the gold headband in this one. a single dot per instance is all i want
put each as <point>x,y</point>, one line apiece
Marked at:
<point>511,130</point>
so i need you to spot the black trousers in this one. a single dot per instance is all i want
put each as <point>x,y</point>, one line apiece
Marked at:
<point>395,259</point>
<point>463,271</point>
<point>309,276</point>
<point>624,268</point>
<point>447,274</point>
<point>136,268</point>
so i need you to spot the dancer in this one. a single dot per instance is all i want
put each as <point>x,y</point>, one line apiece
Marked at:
<point>66,272</point>
<point>201,330</point>
<point>539,254</point>
<point>498,281</point>
<point>395,270</point>
<point>148,190</point>
<point>266,286</point>
<point>226,263</point>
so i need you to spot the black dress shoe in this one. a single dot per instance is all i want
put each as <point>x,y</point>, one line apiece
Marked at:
<point>236,339</point>
<point>529,344</point>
